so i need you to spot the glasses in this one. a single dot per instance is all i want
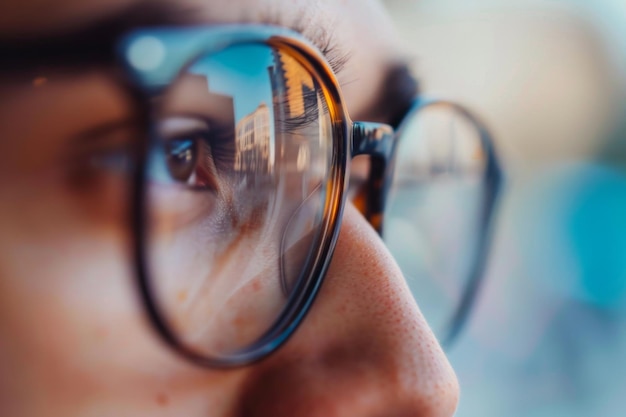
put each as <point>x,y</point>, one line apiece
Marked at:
<point>240,186</point>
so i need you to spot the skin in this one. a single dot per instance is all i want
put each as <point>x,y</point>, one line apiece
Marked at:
<point>73,338</point>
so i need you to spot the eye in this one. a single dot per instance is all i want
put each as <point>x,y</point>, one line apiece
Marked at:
<point>182,157</point>
<point>188,153</point>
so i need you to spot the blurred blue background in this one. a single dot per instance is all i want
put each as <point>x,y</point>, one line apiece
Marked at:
<point>548,335</point>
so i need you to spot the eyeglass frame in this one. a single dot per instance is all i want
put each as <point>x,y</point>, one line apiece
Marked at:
<point>350,139</point>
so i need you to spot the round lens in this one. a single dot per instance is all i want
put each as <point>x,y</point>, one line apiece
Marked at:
<point>435,209</point>
<point>238,176</point>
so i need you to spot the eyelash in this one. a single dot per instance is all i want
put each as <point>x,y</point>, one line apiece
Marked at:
<point>315,34</point>
<point>311,111</point>
<point>334,57</point>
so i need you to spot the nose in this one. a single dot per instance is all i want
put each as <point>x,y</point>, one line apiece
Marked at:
<point>364,349</point>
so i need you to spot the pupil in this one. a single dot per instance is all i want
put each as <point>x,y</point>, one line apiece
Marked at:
<point>181,159</point>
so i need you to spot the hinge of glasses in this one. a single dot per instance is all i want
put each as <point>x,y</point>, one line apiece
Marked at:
<point>370,138</point>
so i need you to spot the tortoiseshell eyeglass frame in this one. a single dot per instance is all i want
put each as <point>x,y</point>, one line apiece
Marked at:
<point>180,46</point>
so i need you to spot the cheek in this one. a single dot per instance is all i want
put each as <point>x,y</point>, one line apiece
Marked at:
<point>73,337</point>
<point>56,288</point>
<point>216,277</point>
<point>69,320</point>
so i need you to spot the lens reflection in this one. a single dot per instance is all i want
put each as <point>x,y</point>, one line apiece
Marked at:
<point>433,215</point>
<point>237,182</point>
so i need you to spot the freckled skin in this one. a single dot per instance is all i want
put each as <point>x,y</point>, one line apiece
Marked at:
<point>393,365</point>
<point>73,338</point>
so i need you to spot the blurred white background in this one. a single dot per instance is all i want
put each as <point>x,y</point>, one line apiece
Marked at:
<point>548,336</point>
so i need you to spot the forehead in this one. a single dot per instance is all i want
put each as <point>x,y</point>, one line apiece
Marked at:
<point>358,30</point>
<point>26,18</point>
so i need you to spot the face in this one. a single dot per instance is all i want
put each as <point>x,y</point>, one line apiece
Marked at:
<point>74,340</point>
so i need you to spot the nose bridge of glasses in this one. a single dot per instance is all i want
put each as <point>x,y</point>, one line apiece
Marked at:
<point>375,140</point>
<point>370,138</point>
